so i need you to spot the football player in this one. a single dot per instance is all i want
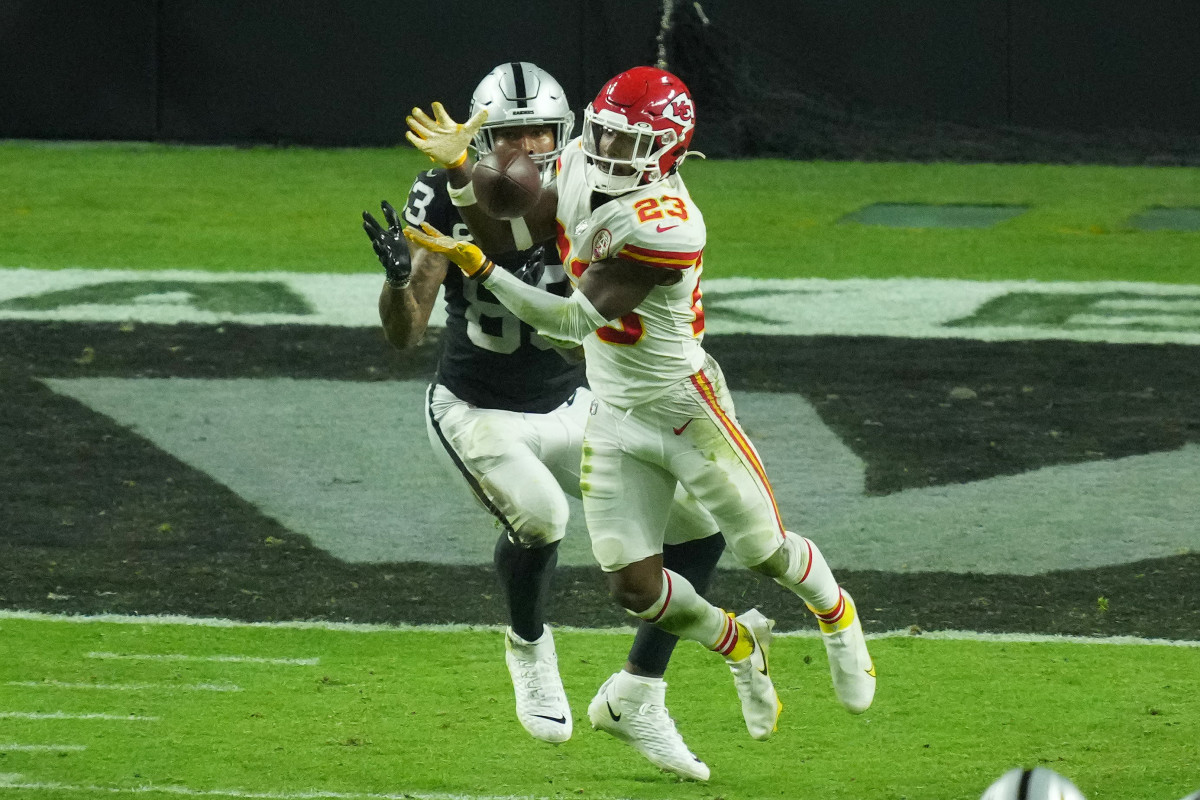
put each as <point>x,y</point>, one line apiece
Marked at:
<point>632,240</point>
<point>506,409</point>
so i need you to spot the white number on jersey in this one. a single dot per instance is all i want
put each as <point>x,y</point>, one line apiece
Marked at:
<point>510,328</point>
<point>414,212</point>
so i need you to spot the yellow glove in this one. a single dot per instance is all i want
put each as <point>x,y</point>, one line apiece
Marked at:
<point>469,258</point>
<point>440,137</point>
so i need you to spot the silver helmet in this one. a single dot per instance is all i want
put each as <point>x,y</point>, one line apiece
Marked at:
<point>521,93</point>
<point>1039,783</point>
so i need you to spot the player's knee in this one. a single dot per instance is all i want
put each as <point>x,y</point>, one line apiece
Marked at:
<point>543,526</point>
<point>775,565</point>
<point>632,595</point>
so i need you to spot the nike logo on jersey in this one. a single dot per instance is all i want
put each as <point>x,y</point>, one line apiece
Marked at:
<point>663,229</point>
<point>681,428</point>
<point>615,716</point>
<point>559,720</point>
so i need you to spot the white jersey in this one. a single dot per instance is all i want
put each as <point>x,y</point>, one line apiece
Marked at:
<point>640,356</point>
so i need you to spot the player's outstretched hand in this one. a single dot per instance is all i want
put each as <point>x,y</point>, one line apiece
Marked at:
<point>440,137</point>
<point>469,258</point>
<point>389,245</point>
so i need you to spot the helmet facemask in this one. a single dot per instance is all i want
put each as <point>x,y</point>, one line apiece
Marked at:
<point>632,153</point>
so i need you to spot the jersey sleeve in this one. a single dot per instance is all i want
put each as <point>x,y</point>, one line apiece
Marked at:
<point>428,201</point>
<point>662,255</point>
<point>662,242</point>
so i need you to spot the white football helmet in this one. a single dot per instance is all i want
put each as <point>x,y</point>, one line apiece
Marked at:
<point>1038,783</point>
<point>521,93</point>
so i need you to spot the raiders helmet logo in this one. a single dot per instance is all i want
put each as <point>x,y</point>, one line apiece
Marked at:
<point>601,243</point>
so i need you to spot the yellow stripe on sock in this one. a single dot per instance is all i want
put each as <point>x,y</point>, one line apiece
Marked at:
<point>841,623</point>
<point>745,642</point>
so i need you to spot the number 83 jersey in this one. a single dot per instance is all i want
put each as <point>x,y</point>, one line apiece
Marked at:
<point>638,357</point>
<point>490,358</point>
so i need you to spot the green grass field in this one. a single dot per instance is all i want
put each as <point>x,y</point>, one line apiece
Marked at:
<point>153,206</point>
<point>427,713</point>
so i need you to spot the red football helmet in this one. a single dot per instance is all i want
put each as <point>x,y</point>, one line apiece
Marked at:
<point>637,130</point>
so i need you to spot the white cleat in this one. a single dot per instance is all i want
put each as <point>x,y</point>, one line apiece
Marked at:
<point>850,663</point>
<point>752,677</point>
<point>633,710</point>
<point>541,701</point>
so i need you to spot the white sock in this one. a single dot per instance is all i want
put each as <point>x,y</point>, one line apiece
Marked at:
<point>808,576</point>
<point>683,612</point>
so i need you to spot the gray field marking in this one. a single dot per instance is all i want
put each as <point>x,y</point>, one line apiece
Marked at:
<point>1167,219</point>
<point>922,215</point>
<point>312,455</point>
<point>917,308</point>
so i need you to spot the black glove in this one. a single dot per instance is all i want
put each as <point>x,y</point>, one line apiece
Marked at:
<point>390,245</point>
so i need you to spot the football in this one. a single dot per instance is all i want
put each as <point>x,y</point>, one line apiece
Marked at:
<point>507,183</point>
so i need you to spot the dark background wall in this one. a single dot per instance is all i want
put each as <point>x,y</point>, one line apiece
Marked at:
<point>346,72</point>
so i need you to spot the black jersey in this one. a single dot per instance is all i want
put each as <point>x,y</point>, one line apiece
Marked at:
<point>489,357</point>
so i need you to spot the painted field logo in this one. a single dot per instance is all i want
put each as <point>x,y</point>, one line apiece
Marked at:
<point>1111,310</point>
<point>229,297</point>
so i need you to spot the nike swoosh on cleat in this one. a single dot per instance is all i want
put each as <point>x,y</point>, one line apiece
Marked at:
<point>681,428</point>
<point>559,720</point>
<point>615,716</point>
<point>870,671</point>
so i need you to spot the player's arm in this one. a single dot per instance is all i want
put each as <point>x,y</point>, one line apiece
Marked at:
<point>616,288</point>
<point>412,278</point>
<point>405,311</point>
<point>445,141</point>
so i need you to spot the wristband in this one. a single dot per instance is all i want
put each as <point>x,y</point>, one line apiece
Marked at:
<point>462,196</point>
<point>484,272</point>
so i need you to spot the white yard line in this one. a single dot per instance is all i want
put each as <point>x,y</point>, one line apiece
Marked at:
<point>129,687</point>
<point>15,782</point>
<point>351,627</point>
<point>10,747</point>
<point>223,659</point>
<point>44,715</point>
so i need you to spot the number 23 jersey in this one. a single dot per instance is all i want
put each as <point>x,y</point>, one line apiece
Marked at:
<point>489,357</point>
<point>640,356</point>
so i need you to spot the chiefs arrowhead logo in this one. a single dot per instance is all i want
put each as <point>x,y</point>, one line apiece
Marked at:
<point>681,111</point>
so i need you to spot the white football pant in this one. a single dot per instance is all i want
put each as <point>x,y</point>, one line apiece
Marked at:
<point>519,465</point>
